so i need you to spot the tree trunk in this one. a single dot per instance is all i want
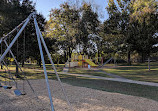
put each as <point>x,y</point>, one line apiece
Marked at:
<point>143,58</point>
<point>102,61</point>
<point>70,52</point>
<point>58,62</point>
<point>129,57</point>
<point>69,56</point>
<point>17,71</point>
<point>98,57</point>
<point>149,63</point>
<point>114,62</point>
<point>65,56</point>
<point>39,62</point>
<point>23,63</point>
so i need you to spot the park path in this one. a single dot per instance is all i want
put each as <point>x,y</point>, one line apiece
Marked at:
<point>117,78</point>
<point>114,79</point>
<point>111,75</point>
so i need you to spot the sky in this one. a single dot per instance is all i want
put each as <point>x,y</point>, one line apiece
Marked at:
<point>44,6</point>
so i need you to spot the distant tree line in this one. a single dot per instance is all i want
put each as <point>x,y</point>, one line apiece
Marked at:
<point>131,28</point>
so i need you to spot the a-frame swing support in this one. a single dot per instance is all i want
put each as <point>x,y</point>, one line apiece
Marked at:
<point>39,38</point>
<point>44,67</point>
<point>53,66</point>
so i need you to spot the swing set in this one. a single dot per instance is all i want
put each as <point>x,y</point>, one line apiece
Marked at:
<point>41,41</point>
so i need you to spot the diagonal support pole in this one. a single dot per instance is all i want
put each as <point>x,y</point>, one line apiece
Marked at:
<point>107,61</point>
<point>53,66</point>
<point>1,40</point>
<point>12,31</point>
<point>16,37</point>
<point>44,67</point>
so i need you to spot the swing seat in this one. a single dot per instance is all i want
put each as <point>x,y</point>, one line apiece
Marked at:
<point>7,87</point>
<point>17,92</point>
<point>23,93</point>
<point>1,85</point>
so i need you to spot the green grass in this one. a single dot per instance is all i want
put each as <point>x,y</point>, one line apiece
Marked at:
<point>34,66</point>
<point>4,76</point>
<point>136,72</point>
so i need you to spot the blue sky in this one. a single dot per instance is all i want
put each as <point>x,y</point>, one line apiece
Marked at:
<point>44,6</point>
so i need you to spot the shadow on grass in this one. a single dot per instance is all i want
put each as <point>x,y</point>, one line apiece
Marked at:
<point>134,68</point>
<point>117,87</point>
<point>140,64</point>
<point>109,86</point>
<point>5,76</point>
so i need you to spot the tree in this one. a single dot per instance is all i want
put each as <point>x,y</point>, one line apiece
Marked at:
<point>116,29</point>
<point>131,18</point>
<point>12,13</point>
<point>89,25</point>
<point>144,18</point>
<point>73,27</point>
<point>63,27</point>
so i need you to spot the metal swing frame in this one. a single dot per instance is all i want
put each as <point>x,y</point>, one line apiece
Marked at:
<point>39,38</point>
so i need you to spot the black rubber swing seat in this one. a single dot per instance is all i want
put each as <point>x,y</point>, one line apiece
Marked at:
<point>1,85</point>
<point>7,87</point>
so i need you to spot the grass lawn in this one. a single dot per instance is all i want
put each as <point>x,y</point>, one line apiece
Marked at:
<point>31,70</point>
<point>136,71</point>
<point>109,86</point>
<point>34,66</point>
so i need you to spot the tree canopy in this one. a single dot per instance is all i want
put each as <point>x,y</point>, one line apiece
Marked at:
<point>12,13</point>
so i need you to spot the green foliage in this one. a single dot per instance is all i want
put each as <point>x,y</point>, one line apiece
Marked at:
<point>12,13</point>
<point>63,27</point>
<point>135,21</point>
<point>89,26</point>
<point>71,27</point>
<point>142,10</point>
<point>144,19</point>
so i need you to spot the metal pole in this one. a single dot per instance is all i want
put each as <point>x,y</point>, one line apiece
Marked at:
<point>16,37</point>
<point>53,66</point>
<point>0,40</point>
<point>1,54</point>
<point>14,30</point>
<point>44,67</point>
<point>107,61</point>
